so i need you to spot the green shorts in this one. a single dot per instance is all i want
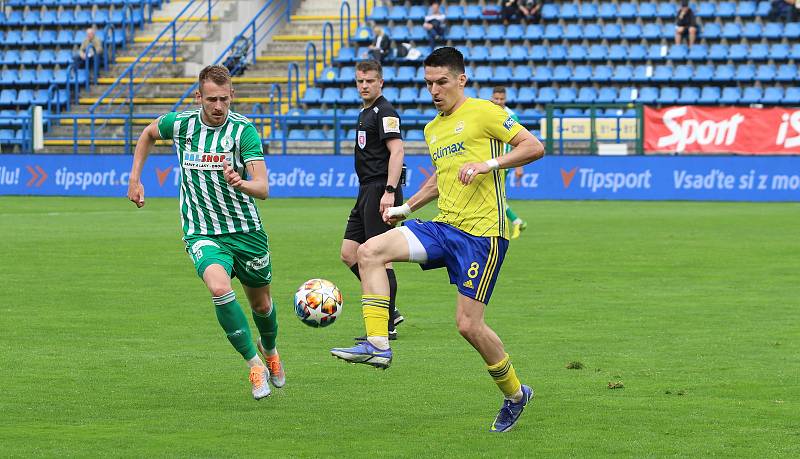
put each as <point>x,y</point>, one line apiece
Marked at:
<point>243,255</point>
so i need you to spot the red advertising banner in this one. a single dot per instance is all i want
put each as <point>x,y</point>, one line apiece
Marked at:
<point>740,130</point>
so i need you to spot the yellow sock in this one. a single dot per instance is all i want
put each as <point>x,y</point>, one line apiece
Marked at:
<point>505,377</point>
<point>375,309</point>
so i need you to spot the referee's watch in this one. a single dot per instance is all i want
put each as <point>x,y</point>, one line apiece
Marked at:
<point>390,189</point>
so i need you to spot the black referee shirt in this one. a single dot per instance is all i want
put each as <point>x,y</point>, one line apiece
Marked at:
<point>376,124</point>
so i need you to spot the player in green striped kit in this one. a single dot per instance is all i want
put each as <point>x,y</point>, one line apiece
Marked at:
<point>222,170</point>
<point>517,224</point>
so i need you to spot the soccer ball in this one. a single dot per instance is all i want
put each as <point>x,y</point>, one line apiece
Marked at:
<point>318,302</point>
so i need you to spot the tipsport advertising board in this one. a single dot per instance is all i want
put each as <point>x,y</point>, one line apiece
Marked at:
<point>702,178</point>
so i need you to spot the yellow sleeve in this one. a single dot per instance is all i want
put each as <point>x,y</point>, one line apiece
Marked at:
<point>500,125</point>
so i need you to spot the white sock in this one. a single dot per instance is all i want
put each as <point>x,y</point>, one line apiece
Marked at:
<point>381,342</point>
<point>516,397</point>
<point>255,362</point>
<point>518,221</point>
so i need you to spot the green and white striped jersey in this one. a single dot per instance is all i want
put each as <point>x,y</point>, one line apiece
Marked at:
<point>209,206</point>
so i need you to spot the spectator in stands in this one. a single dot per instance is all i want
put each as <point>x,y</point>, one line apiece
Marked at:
<point>381,45</point>
<point>434,25</point>
<point>89,53</point>
<point>782,10</point>
<point>529,10</point>
<point>685,23</point>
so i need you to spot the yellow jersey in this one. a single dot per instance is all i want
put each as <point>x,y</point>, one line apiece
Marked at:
<point>475,132</point>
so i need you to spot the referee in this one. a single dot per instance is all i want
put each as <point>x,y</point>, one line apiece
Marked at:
<point>379,162</point>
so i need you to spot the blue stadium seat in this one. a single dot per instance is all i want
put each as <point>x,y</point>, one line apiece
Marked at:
<point>29,38</point>
<point>709,95</point>
<point>607,95</point>
<point>539,53</point>
<point>662,73</point>
<point>526,95</point>
<point>502,74</point>
<point>598,53</point>
<point>391,94</point>
<point>647,10</point>
<point>682,72</point>
<point>566,96</point>
<point>718,52</point>
<point>651,31</point>
<point>746,9</point>
<point>475,32</point>
<point>379,13</point>
<point>398,13</point>
<point>562,73</point>
<point>468,91</point>
<point>773,31</point>
<point>678,52</point>
<point>751,95</point>
<point>65,37</point>
<point>792,95</point>
<point>738,52</point>
<point>731,30</point>
<point>8,97</point>
<point>312,96</point>
<point>569,11</point>
<point>27,76</point>
<point>577,53</point>
<point>791,31</point>
<point>479,53</point>
<point>483,74</point>
<point>726,9</point>
<point>752,30</point>
<point>642,73</point>
<point>486,92</point>
<point>407,96</point>
<point>705,10</point>
<point>697,53</point>
<point>786,73</point>
<point>415,135</point>
<point>547,95</point>
<point>498,53</point>
<point>523,73</point>
<point>314,134</point>
<point>473,13</point>
<point>626,95</point>
<point>711,31</point>
<point>64,57</point>
<point>346,75</point>
<point>424,97</point>
<point>668,95</point>
<point>331,96</point>
<point>350,95</point>
<point>772,95</point>
<point>610,32</point>
<point>588,11</point>
<point>454,13</point>
<point>496,32</point>
<point>666,10</point>
<point>40,97</point>
<point>607,11</point>
<point>553,32</point>
<point>723,73</point>
<point>418,34</point>
<point>622,73</point>
<point>763,8</point>
<point>657,52</point>
<point>456,32</point>
<point>744,73</point>
<point>586,95</point>
<point>730,95</point>
<point>759,52</point>
<point>689,95</point>
<point>627,10</point>
<point>557,53</point>
<point>648,95</point>
<point>9,77</point>
<point>44,77</point>
<point>417,13</point>
<point>550,11</point>
<point>602,73</point>
<point>573,32</point>
<point>406,74</point>
<point>582,73</point>
<point>632,31</point>
<point>618,53</point>
<point>794,53</point>
<point>514,32</point>
<point>400,33</point>
<point>48,37</point>
<point>346,55</point>
<point>29,57</point>
<point>703,72</point>
<point>518,53</point>
<point>534,32</point>
<point>331,74</point>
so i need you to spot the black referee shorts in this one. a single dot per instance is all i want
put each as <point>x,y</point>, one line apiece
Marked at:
<point>365,219</point>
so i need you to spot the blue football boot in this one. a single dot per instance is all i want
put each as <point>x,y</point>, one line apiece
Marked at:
<point>510,411</point>
<point>364,352</point>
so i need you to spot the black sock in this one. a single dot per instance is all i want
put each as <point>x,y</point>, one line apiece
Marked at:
<point>354,268</point>
<point>392,297</point>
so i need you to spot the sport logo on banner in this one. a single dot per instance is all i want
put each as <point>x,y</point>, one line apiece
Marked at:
<point>750,131</point>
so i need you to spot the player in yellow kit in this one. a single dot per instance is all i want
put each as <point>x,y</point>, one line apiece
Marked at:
<point>469,236</point>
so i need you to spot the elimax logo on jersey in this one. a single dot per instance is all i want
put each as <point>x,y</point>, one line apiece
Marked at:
<point>452,149</point>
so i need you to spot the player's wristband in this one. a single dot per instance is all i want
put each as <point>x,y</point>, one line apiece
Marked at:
<point>399,211</point>
<point>493,164</point>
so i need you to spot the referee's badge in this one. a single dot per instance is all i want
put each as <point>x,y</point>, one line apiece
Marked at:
<point>459,127</point>
<point>226,143</point>
<point>362,139</point>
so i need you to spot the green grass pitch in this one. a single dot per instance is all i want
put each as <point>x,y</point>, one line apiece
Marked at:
<point>109,345</point>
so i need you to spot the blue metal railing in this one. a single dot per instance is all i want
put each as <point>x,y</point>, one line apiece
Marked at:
<point>253,34</point>
<point>118,97</point>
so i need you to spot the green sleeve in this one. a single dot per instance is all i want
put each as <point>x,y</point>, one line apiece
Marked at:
<point>165,125</point>
<point>250,144</point>
<point>500,125</point>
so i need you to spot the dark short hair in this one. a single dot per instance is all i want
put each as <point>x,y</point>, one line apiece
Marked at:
<point>219,74</point>
<point>448,57</point>
<point>366,66</point>
<point>500,89</point>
